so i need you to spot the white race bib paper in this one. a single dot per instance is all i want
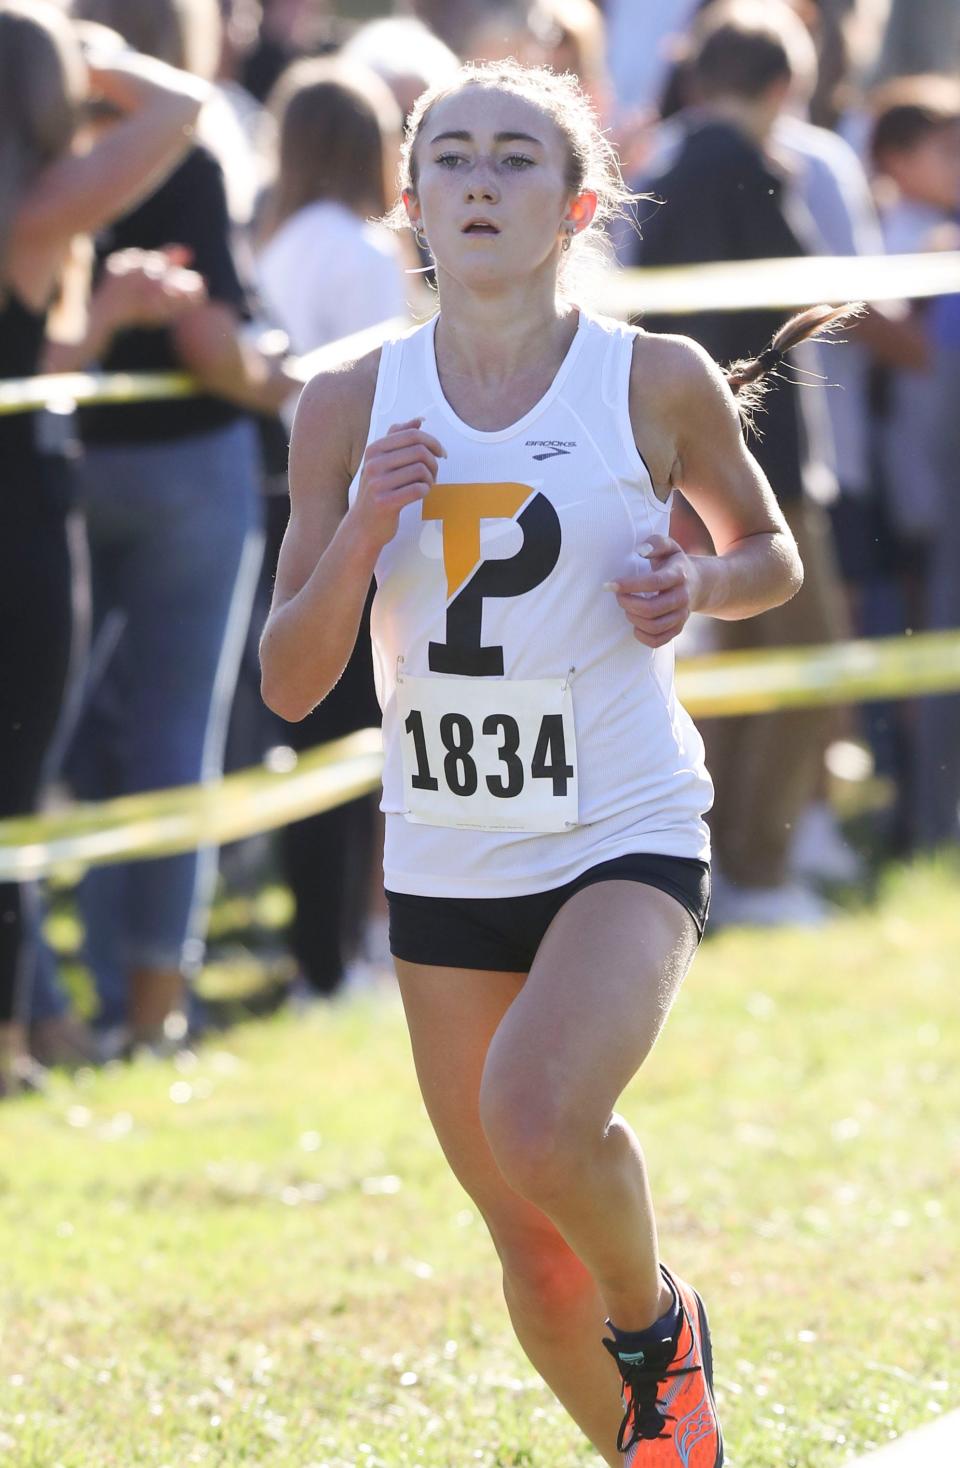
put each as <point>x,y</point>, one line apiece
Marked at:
<point>489,754</point>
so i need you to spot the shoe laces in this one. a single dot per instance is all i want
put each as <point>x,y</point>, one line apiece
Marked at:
<point>644,1420</point>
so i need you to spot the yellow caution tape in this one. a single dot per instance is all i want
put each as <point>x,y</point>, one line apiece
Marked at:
<point>803,677</point>
<point>63,391</point>
<point>162,822</point>
<point>676,289</point>
<point>774,284</point>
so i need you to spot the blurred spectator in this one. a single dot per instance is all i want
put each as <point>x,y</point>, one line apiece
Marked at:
<point>727,199</point>
<point>326,270</point>
<point>50,194</point>
<point>938,739</point>
<point>240,32</point>
<point>837,193</point>
<point>833,186</point>
<point>915,146</point>
<point>500,29</point>
<point>288,30</point>
<point>240,132</point>
<point>569,35</point>
<point>829,22</point>
<point>233,123</point>
<point>846,40</point>
<point>828,176</point>
<point>451,20</point>
<point>171,495</point>
<point>921,36</point>
<point>405,54</point>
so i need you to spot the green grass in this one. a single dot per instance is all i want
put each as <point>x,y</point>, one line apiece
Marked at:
<point>257,1255</point>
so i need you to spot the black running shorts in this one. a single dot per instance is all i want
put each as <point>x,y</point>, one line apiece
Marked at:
<point>504,933</point>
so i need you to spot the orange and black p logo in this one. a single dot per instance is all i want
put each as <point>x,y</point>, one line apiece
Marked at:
<point>460,508</point>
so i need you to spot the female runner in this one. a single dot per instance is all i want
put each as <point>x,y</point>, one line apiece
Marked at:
<point>506,471</point>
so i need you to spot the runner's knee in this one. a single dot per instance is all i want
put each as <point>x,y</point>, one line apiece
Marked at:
<point>534,1132</point>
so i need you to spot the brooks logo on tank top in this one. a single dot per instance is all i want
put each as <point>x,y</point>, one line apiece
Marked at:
<point>528,735</point>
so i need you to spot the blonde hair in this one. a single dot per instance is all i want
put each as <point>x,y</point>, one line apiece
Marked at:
<point>750,379</point>
<point>592,162</point>
<point>332,122</point>
<point>575,26</point>
<point>183,33</point>
<point>42,86</point>
<point>400,46</point>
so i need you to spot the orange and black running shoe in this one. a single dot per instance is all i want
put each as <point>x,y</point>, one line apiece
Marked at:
<point>670,1417</point>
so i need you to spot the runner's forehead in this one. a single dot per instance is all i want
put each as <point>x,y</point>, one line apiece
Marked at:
<point>484,112</point>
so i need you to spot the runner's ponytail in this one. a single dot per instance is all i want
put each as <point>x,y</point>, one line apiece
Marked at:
<point>749,378</point>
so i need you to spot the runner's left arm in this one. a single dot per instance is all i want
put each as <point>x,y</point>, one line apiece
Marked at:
<point>756,565</point>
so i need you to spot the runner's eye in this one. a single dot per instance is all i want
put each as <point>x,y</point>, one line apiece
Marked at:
<point>449,160</point>
<point>518,161</point>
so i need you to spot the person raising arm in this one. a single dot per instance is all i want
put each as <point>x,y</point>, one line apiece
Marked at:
<point>50,192</point>
<point>77,191</point>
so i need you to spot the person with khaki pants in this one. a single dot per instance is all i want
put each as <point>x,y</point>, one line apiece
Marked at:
<point>727,195</point>
<point>767,767</point>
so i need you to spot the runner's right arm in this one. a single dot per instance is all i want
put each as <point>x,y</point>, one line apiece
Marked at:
<point>330,550</point>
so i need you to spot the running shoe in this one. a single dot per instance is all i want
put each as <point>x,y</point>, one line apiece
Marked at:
<point>670,1416</point>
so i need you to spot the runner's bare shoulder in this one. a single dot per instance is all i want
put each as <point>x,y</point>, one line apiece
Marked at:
<point>677,391</point>
<point>674,373</point>
<point>330,428</point>
<point>326,448</point>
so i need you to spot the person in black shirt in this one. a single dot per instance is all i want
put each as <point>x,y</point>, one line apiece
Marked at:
<point>57,194</point>
<point>171,494</point>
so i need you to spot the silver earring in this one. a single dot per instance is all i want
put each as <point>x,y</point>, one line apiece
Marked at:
<point>567,240</point>
<point>421,238</point>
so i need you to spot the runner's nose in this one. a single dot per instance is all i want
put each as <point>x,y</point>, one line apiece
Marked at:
<point>481,185</point>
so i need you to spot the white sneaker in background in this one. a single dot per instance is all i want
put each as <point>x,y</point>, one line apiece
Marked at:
<point>364,977</point>
<point>112,1044</point>
<point>790,905</point>
<point>819,850</point>
<point>376,943</point>
<point>303,999</point>
<point>372,970</point>
<point>360,978</point>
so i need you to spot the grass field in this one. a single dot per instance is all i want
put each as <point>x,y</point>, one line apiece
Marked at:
<point>256,1255</point>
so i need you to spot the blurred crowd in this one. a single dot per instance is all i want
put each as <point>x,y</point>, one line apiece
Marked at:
<point>203,185</point>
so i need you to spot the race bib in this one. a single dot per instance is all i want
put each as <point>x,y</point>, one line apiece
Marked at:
<point>489,754</point>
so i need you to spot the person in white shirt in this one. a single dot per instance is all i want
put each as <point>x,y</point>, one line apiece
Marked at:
<point>325,267</point>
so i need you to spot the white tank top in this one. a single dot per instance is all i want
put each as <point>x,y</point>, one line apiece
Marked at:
<point>528,735</point>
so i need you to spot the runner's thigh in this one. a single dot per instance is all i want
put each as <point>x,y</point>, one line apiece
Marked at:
<point>452,1015</point>
<point>598,993</point>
